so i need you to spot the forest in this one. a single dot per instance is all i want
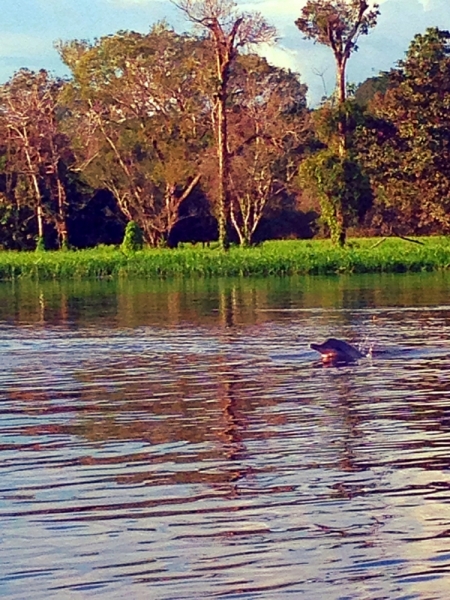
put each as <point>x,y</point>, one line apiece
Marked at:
<point>194,137</point>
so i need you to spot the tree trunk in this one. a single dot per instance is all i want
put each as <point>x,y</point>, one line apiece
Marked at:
<point>239,230</point>
<point>61,221</point>
<point>40,221</point>
<point>173,201</point>
<point>341,83</point>
<point>39,210</point>
<point>342,96</point>
<point>224,168</point>
<point>339,233</point>
<point>37,191</point>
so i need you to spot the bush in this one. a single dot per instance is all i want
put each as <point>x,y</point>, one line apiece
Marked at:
<point>133,239</point>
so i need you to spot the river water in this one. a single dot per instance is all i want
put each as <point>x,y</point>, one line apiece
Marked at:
<point>180,440</point>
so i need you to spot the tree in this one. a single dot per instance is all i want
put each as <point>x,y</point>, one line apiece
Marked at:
<point>343,190</point>
<point>366,91</point>
<point>228,31</point>
<point>338,25</point>
<point>17,214</point>
<point>268,129</point>
<point>407,151</point>
<point>30,108</point>
<point>133,239</point>
<point>140,121</point>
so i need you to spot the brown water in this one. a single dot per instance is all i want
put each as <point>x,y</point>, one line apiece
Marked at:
<point>178,440</point>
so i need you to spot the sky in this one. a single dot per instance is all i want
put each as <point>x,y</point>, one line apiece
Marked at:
<point>29,28</point>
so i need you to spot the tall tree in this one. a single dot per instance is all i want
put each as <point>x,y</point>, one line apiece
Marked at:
<point>229,30</point>
<point>337,24</point>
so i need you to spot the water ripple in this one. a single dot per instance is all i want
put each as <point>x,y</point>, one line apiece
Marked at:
<point>197,461</point>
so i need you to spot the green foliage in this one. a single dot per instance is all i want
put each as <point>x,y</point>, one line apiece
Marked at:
<point>327,120</point>
<point>343,190</point>
<point>133,239</point>
<point>407,153</point>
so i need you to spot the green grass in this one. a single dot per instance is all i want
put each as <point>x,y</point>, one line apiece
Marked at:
<point>317,257</point>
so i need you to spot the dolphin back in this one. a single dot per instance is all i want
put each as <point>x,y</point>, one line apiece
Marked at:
<point>340,349</point>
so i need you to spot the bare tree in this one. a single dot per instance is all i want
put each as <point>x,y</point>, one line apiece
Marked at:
<point>229,31</point>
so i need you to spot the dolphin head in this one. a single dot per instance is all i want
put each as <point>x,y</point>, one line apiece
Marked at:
<point>337,351</point>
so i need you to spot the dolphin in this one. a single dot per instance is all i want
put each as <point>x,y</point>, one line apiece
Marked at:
<point>337,351</point>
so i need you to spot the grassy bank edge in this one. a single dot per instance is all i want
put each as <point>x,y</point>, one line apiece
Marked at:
<point>280,258</point>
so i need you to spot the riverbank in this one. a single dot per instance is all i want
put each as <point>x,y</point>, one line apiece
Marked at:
<point>290,257</point>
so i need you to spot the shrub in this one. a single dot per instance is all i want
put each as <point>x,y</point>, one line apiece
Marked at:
<point>133,239</point>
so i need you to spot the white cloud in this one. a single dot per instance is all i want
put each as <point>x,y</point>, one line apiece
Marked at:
<point>280,56</point>
<point>274,8</point>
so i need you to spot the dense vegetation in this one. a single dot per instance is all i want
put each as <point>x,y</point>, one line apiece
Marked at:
<point>293,257</point>
<point>186,138</point>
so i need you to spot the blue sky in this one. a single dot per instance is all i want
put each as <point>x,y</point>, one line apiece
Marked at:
<point>28,29</point>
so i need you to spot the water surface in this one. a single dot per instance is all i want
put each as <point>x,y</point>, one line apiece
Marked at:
<point>179,439</point>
